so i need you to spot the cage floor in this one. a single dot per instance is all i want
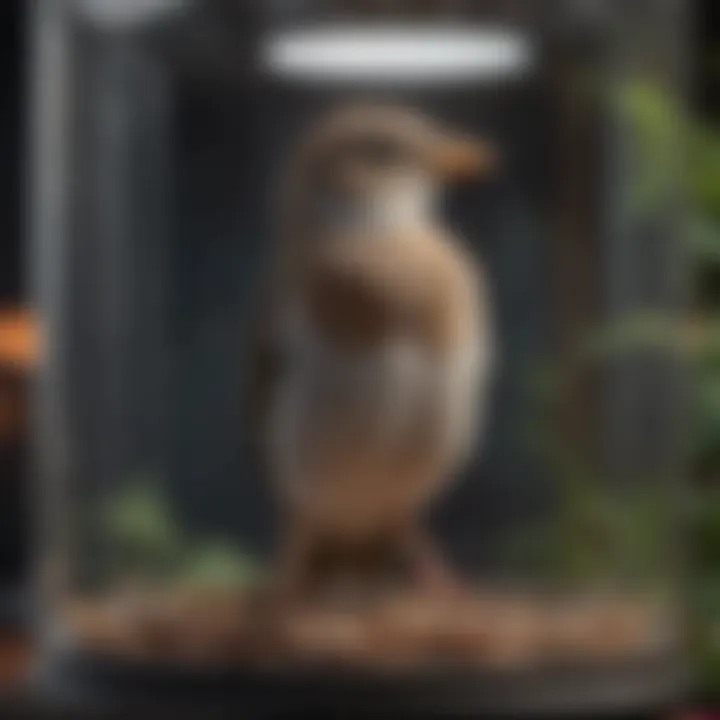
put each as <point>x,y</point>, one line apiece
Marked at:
<point>396,632</point>
<point>492,654</point>
<point>122,688</point>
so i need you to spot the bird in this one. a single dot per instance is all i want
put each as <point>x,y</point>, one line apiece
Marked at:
<point>372,360</point>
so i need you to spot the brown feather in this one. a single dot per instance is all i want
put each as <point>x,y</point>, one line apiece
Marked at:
<point>422,288</point>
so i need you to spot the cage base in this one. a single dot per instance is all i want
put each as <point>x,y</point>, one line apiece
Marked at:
<point>118,689</point>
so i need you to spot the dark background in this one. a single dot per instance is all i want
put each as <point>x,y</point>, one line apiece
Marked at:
<point>13,509</point>
<point>11,130</point>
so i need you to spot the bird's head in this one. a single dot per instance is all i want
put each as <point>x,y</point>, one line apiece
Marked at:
<point>387,159</point>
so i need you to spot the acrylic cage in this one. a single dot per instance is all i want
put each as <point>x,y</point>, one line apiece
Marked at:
<point>161,128</point>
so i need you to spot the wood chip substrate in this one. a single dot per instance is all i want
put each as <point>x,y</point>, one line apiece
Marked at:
<point>399,632</point>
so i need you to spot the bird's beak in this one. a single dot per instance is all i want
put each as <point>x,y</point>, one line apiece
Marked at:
<point>467,158</point>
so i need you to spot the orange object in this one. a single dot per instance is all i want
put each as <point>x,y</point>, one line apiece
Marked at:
<point>18,355</point>
<point>15,659</point>
<point>19,341</point>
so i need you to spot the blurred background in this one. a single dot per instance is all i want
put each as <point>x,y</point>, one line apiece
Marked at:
<point>18,346</point>
<point>12,302</point>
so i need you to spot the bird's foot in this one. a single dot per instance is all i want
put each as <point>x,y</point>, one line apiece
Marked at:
<point>440,584</point>
<point>430,572</point>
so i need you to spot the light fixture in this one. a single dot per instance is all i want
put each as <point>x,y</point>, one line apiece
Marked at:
<point>398,54</point>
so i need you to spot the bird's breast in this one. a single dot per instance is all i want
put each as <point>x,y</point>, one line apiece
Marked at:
<point>373,394</point>
<point>351,430</point>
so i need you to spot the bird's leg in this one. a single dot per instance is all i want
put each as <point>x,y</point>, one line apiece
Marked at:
<point>428,567</point>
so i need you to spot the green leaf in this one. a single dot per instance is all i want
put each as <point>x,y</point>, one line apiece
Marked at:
<point>707,344</point>
<point>707,418</point>
<point>636,332</point>
<point>704,234</point>
<point>218,565</point>
<point>138,521</point>
<point>657,124</point>
<point>703,168</point>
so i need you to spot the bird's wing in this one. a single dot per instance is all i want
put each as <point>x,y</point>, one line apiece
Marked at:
<point>362,296</point>
<point>429,292</point>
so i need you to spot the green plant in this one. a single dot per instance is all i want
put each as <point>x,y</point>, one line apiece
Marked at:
<point>139,531</point>
<point>655,121</point>
<point>703,186</point>
<point>601,534</point>
<point>705,595</point>
<point>217,564</point>
<point>146,544</point>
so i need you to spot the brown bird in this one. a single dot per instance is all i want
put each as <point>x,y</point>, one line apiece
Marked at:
<point>373,357</point>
